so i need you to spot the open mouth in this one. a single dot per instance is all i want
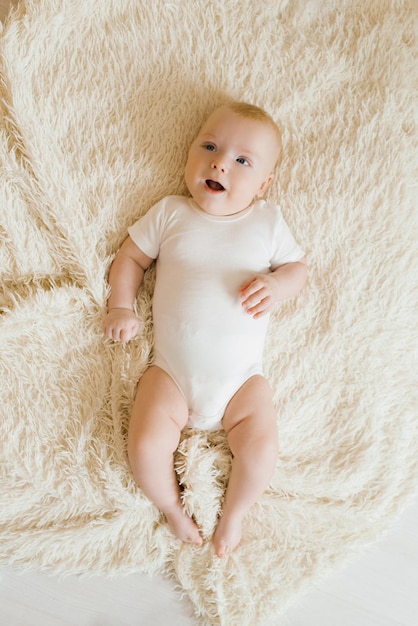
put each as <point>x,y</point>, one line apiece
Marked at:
<point>214,185</point>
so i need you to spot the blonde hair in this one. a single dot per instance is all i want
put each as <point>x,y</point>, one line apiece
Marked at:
<point>254,112</point>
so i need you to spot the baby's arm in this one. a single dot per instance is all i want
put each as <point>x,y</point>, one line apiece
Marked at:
<point>125,276</point>
<point>261,294</point>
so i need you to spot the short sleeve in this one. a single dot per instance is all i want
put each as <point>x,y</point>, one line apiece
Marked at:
<point>284,247</point>
<point>146,233</point>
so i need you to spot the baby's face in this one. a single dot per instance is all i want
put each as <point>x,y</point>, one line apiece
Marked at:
<point>230,162</point>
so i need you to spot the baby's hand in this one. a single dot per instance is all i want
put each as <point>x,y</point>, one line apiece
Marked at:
<point>259,295</point>
<point>121,324</point>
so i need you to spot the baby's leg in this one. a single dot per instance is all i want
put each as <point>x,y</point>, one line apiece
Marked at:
<point>250,423</point>
<point>158,416</point>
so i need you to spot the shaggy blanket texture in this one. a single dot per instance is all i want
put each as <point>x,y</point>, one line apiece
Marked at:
<point>100,100</point>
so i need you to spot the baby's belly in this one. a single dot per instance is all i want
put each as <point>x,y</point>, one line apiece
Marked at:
<point>209,363</point>
<point>209,350</point>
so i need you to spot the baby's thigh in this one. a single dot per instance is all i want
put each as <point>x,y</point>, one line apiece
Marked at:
<point>253,402</point>
<point>159,407</point>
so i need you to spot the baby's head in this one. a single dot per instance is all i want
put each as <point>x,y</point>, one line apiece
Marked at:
<point>232,159</point>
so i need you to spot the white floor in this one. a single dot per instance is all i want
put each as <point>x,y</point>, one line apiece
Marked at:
<point>379,589</point>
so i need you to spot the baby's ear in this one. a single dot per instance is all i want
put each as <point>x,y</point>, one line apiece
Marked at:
<point>265,185</point>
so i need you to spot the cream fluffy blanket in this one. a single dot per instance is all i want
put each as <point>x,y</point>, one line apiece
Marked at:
<point>100,100</point>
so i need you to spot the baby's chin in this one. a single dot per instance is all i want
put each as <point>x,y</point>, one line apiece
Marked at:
<point>216,201</point>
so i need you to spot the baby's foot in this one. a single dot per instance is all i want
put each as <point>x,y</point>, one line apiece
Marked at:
<point>182,526</point>
<point>227,535</point>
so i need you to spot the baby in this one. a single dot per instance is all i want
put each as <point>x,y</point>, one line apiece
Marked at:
<point>224,259</point>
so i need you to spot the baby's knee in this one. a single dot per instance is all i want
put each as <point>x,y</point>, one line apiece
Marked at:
<point>258,441</point>
<point>267,444</point>
<point>140,445</point>
<point>151,438</point>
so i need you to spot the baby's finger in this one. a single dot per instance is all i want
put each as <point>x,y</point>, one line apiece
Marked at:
<point>108,331</point>
<point>115,333</point>
<point>127,334</point>
<point>252,301</point>
<point>249,288</point>
<point>261,308</point>
<point>253,295</point>
<point>245,286</point>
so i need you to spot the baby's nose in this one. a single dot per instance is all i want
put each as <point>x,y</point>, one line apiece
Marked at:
<point>219,164</point>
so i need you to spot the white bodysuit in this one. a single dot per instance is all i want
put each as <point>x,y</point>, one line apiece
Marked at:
<point>204,339</point>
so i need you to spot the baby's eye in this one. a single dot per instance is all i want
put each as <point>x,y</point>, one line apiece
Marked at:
<point>242,161</point>
<point>210,147</point>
